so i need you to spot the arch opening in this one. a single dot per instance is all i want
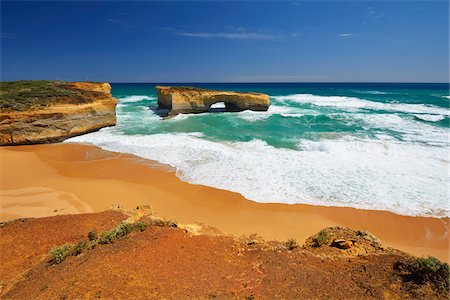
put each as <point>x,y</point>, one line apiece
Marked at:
<point>222,106</point>
<point>219,106</point>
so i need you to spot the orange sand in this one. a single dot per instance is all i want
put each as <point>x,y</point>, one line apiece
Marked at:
<point>44,180</point>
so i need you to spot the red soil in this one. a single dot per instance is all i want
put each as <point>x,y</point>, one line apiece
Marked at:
<point>170,262</point>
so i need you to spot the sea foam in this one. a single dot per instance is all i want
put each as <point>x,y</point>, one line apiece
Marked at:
<point>430,118</point>
<point>354,104</point>
<point>135,98</point>
<point>408,179</point>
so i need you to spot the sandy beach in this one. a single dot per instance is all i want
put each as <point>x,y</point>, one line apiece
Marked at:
<point>46,180</point>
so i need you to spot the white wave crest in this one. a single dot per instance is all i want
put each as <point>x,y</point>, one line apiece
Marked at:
<point>430,118</point>
<point>135,98</point>
<point>353,104</point>
<point>409,179</point>
<point>408,129</point>
<point>370,92</point>
<point>283,111</point>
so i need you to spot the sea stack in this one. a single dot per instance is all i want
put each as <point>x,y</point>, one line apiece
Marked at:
<point>34,112</point>
<point>182,99</point>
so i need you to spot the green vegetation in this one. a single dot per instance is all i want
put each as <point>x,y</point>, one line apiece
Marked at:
<point>140,226</point>
<point>61,253</point>
<point>426,269</point>
<point>92,244</point>
<point>26,94</point>
<point>184,88</point>
<point>78,248</point>
<point>163,223</point>
<point>322,238</point>
<point>119,232</point>
<point>92,235</point>
<point>291,244</point>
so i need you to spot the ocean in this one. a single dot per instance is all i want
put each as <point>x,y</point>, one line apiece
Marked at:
<point>377,146</point>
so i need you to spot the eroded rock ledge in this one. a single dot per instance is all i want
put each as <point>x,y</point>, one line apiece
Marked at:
<point>33,112</point>
<point>177,99</point>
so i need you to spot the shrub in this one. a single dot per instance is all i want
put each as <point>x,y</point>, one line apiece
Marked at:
<point>426,269</point>
<point>432,270</point>
<point>140,226</point>
<point>26,94</point>
<point>107,237</point>
<point>119,232</point>
<point>164,223</point>
<point>59,254</point>
<point>92,244</point>
<point>92,235</point>
<point>123,229</point>
<point>322,238</point>
<point>291,244</point>
<point>78,248</point>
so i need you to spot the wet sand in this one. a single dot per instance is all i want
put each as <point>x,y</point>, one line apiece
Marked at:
<point>45,180</point>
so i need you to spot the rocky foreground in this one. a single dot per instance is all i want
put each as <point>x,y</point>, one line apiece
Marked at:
<point>33,112</point>
<point>180,99</point>
<point>120,255</point>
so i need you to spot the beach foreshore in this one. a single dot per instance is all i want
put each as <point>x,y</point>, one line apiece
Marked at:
<point>46,180</point>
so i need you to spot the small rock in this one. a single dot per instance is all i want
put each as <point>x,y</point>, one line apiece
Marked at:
<point>342,244</point>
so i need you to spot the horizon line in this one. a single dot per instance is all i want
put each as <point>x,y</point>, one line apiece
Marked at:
<point>284,82</point>
<point>239,82</point>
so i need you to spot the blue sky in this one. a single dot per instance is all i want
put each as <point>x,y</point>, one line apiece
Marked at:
<point>302,41</point>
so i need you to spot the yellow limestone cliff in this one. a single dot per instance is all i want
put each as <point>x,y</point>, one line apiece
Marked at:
<point>33,112</point>
<point>195,100</point>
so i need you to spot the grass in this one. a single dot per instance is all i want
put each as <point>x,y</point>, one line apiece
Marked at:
<point>322,238</point>
<point>426,270</point>
<point>25,94</point>
<point>291,244</point>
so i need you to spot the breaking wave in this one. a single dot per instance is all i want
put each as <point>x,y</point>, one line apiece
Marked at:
<point>408,179</point>
<point>354,104</point>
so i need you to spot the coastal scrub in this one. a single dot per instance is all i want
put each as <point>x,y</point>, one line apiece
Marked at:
<point>322,238</point>
<point>25,94</point>
<point>61,253</point>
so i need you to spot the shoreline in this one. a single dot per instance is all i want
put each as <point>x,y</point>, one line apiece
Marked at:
<point>52,179</point>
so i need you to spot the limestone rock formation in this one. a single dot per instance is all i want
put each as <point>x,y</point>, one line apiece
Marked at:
<point>195,100</point>
<point>33,112</point>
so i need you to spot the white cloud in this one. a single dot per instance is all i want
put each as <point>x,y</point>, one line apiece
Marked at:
<point>345,34</point>
<point>237,35</point>
<point>229,35</point>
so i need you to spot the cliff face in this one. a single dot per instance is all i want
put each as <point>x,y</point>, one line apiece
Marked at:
<point>195,100</point>
<point>46,111</point>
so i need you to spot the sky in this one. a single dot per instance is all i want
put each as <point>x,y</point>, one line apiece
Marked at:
<point>213,41</point>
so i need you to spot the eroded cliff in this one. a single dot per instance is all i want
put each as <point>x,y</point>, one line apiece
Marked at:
<point>33,112</point>
<point>195,100</point>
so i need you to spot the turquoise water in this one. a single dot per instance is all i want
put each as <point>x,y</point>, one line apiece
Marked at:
<point>372,146</point>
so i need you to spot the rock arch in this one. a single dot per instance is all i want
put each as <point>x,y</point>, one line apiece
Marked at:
<point>194,100</point>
